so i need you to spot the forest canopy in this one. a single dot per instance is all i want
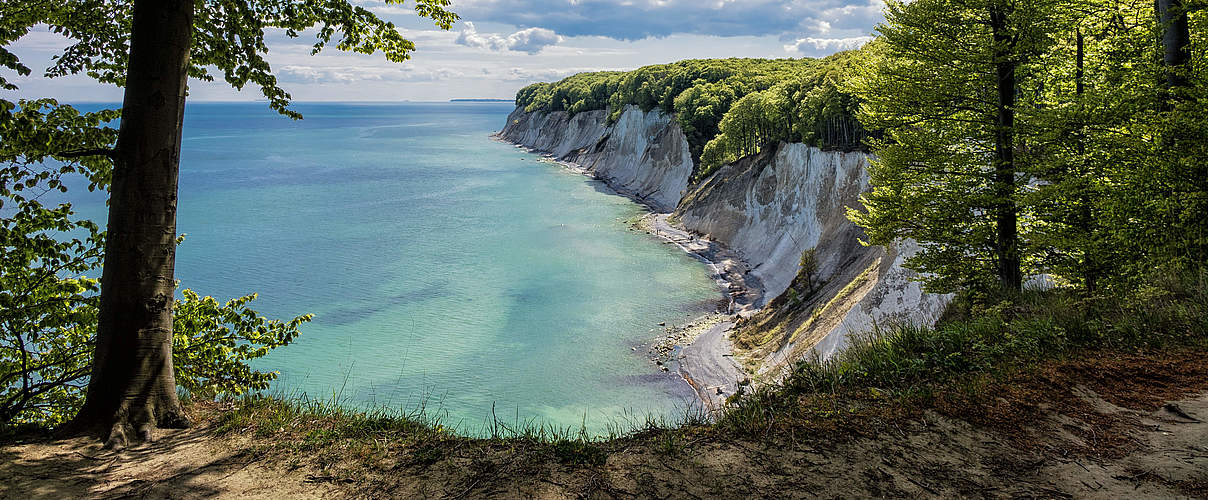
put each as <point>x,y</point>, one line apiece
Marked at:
<point>728,108</point>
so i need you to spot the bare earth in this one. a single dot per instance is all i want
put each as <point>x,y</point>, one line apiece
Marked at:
<point>1072,443</point>
<point>189,463</point>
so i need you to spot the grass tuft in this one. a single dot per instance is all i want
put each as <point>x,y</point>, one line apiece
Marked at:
<point>909,363</point>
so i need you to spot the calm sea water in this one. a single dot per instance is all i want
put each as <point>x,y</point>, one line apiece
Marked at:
<point>445,269</point>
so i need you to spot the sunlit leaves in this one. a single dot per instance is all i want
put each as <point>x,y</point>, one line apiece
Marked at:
<point>229,36</point>
<point>33,132</point>
<point>212,343</point>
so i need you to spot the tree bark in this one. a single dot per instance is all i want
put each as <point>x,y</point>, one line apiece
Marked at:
<point>133,388</point>
<point>1006,211</point>
<point>1086,221</point>
<point>1176,41</point>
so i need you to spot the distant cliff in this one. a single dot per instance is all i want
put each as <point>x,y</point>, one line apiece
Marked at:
<point>768,208</point>
<point>643,155</point>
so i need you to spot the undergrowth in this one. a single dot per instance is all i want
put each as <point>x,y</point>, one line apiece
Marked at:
<point>908,364</point>
<point>330,432</point>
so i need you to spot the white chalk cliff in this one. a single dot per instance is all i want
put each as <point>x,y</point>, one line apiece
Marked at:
<point>767,208</point>
<point>643,155</point>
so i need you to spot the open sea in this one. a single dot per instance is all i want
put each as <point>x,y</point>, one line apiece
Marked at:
<point>445,269</point>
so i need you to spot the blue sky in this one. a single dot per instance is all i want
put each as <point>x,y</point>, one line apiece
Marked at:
<point>502,45</point>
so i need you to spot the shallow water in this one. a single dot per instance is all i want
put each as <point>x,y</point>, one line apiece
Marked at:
<point>445,269</point>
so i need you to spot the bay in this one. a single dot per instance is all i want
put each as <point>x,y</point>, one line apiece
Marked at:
<point>446,270</point>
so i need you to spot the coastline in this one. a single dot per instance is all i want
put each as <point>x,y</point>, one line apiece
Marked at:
<point>702,350</point>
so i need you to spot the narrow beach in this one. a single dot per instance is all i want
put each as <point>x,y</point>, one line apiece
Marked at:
<point>702,350</point>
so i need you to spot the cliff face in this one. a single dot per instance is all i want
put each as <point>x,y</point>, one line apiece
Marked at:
<point>644,154</point>
<point>773,206</point>
<point>768,209</point>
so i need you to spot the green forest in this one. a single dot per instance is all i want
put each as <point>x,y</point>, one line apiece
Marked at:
<point>728,108</point>
<point>1011,139</point>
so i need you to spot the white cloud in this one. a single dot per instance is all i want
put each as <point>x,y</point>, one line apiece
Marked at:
<point>811,46</point>
<point>513,42</point>
<point>359,74</point>
<point>640,19</point>
<point>530,40</point>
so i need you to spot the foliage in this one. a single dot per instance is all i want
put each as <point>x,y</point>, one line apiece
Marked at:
<point>807,269</point>
<point>45,377</point>
<point>46,300</point>
<point>212,344</point>
<point>228,36</point>
<point>728,108</point>
<point>810,107</point>
<point>943,173</point>
<point>48,262</point>
<point>1109,162</point>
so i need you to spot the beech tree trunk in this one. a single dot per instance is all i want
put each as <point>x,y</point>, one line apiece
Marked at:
<point>1176,40</point>
<point>133,388</point>
<point>1007,216</point>
<point>1086,220</point>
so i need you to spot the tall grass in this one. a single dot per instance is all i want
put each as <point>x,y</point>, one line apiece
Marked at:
<point>906,361</point>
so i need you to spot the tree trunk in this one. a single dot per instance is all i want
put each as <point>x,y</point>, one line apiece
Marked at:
<point>1176,41</point>
<point>1006,212</point>
<point>1086,221</point>
<point>133,388</point>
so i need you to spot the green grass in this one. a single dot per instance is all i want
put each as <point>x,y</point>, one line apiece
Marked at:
<point>908,363</point>
<point>328,432</point>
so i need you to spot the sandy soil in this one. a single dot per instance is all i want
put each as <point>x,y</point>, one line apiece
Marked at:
<point>1113,426</point>
<point>931,457</point>
<point>709,367</point>
<point>189,463</point>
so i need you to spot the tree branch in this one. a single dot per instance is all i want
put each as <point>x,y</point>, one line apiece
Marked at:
<point>82,153</point>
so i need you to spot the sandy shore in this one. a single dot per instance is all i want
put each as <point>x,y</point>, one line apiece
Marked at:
<point>702,349</point>
<point>706,360</point>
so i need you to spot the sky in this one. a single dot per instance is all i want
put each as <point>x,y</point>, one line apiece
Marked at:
<point>499,46</point>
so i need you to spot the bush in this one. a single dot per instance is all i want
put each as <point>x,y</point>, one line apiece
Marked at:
<point>48,299</point>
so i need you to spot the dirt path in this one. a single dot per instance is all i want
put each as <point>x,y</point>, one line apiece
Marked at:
<point>1164,454</point>
<point>188,463</point>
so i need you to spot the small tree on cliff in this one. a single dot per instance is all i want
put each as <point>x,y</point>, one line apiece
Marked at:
<point>152,48</point>
<point>944,82</point>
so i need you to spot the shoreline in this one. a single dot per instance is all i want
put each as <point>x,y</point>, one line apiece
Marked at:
<point>706,360</point>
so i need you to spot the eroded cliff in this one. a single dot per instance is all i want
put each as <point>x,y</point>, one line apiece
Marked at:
<point>772,207</point>
<point>643,155</point>
<point>768,209</point>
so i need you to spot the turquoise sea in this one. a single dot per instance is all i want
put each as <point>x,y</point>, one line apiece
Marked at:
<point>445,269</point>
